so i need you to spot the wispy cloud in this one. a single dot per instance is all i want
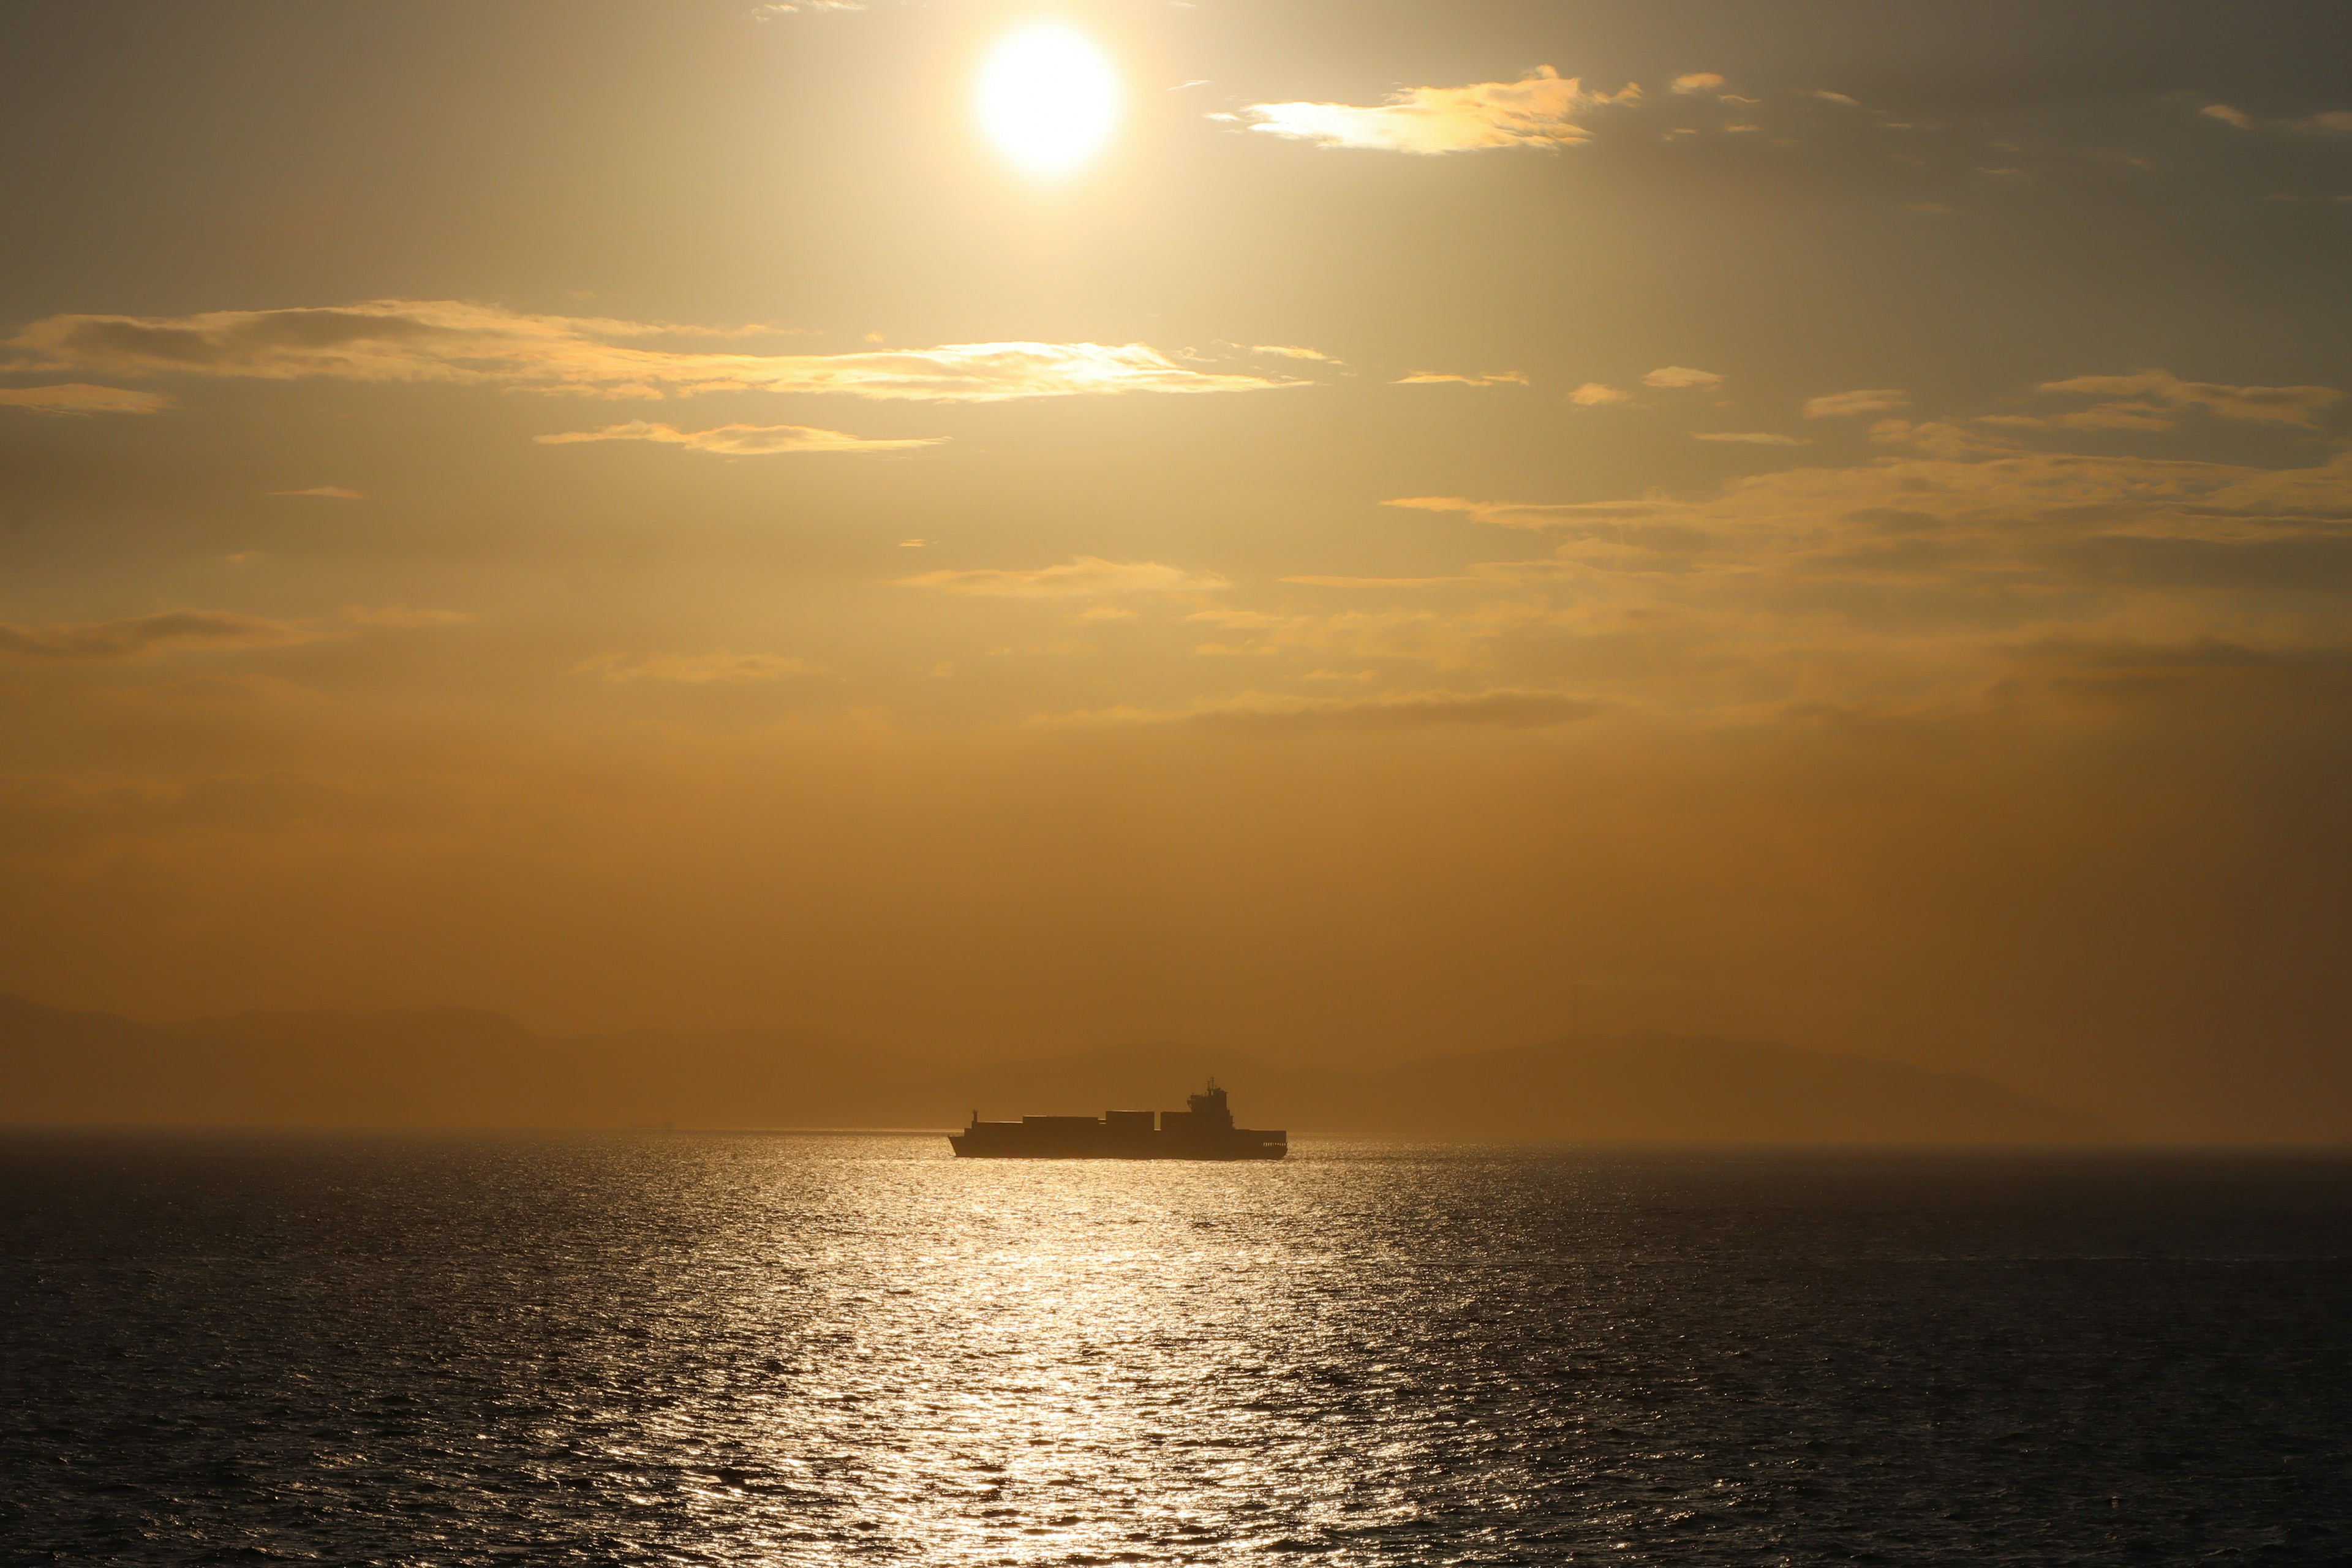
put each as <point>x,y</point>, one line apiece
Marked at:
<point>81,397</point>
<point>404,618</point>
<point>2228,116</point>
<point>2155,393</point>
<point>446,341</point>
<point>1710,84</point>
<point>168,631</point>
<point>321,493</point>
<point>1747,438</point>
<point>1671,377</point>
<point>1844,405</point>
<point>1596,395</point>
<point>1293,350</point>
<point>1379,582</point>
<point>1538,110</point>
<point>1942,573</point>
<point>1275,714</point>
<point>1088,577</point>
<point>740,440</point>
<point>1534,514</point>
<point>1438,377</point>
<point>697,669</point>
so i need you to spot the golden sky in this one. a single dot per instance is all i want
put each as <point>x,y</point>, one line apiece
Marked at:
<point>1327,529</point>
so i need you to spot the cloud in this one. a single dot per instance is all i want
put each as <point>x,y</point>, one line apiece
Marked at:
<point>2337,119</point>
<point>168,631</point>
<point>1926,578</point>
<point>1842,404</point>
<point>1510,709</point>
<point>1434,377</point>
<point>776,8</point>
<point>1698,82</point>
<point>1292,351</point>
<point>1747,438</point>
<point>1594,395</point>
<point>2228,116</point>
<point>1379,582</point>
<point>1538,110</point>
<point>322,492</point>
<point>1672,376</point>
<point>1940,439</point>
<point>2117,417</point>
<point>1841,100</point>
<point>1272,713</point>
<point>2156,392</point>
<point>1534,515</point>
<point>81,397</point>
<point>1088,577</point>
<point>450,342</point>
<point>697,669</point>
<point>401,616</point>
<point>740,440</point>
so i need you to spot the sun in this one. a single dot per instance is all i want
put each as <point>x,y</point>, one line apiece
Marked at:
<point>1047,98</point>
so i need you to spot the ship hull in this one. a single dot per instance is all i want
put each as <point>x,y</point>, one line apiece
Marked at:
<point>967,1149</point>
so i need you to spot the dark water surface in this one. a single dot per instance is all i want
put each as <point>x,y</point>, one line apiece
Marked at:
<point>688,1349</point>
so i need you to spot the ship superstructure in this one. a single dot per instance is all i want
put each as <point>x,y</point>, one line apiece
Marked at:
<point>1204,1131</point>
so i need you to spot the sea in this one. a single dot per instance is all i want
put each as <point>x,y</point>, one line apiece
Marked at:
<point>780,1348</point>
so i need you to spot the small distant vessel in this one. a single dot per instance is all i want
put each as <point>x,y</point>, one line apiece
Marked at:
<point>1206,1132</point>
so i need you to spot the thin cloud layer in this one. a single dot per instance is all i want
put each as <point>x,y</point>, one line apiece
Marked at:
<point>1276,713</point>
<point>1845,404</point>
<point>448,340</point>
<point>1538,110</point>
<point>1675,377</point>
<point>1088,577</point>
<point>81,397</point>
<point>168,631</point>
<point>740,440</point>
<point>1533,514</point>
<point>718,668</point>
<point>1966,569</point>
<point>406,618</point>
<point>1442,377</point>
<point>2156,393</point>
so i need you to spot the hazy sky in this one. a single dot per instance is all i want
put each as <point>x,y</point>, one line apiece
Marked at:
<point>1827,521</point>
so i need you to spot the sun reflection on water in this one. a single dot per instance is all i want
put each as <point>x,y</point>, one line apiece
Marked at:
<point>788,1349</point>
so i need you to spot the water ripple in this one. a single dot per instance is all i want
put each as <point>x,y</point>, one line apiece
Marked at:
<point>782,1350</point>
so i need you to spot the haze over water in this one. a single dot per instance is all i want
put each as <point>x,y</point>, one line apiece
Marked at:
<point>802,1349</point>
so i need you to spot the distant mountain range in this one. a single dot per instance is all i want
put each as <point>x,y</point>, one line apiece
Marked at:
<point>452,1068</point>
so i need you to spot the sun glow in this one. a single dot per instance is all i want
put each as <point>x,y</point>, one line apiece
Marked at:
<point>1048,99</point>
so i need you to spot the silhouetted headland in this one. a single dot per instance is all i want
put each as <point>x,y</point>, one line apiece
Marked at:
<point>1204,1131</point>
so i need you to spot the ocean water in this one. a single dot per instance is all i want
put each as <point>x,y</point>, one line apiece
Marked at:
<point>767,1349</point>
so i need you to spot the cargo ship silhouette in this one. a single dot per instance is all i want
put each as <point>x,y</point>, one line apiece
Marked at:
<point>1206,1132</point>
